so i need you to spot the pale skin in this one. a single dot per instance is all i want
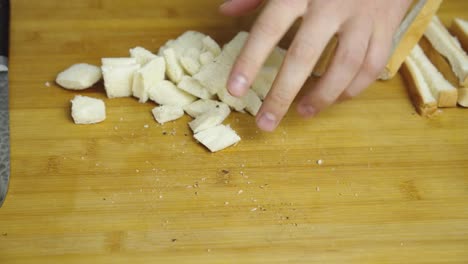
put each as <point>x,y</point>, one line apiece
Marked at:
<point>364,28</point>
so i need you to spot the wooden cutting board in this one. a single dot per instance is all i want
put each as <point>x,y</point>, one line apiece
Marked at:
<point>392,188</point>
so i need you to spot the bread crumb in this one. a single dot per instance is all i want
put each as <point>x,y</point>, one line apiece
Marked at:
<point>240,191</point>
<point>226,203</point>
<point>319,162</point>
<point>137,170</point>
<point>317,189</point>
<point>116,128</point>
<point>146,126</point>
<point>47,84</point>
<point>253,209</point>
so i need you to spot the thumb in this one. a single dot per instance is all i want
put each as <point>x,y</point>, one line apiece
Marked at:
<point>239,7</point>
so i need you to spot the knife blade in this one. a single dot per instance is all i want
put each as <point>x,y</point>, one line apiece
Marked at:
<point>4,102</point>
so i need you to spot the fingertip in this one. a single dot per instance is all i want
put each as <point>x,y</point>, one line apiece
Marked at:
<point>238,85</point>
<point>267,122</point>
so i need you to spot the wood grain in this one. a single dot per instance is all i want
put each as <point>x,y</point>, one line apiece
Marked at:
<point>393,186</point>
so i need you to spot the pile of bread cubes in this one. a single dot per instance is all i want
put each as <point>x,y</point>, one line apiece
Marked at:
<point>188,75</point>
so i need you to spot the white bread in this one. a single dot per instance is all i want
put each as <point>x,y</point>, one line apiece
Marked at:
<point>194,87</point>
<point>87,110</point>
<point>142,55</point>
<point>210,119</point>
<point>217,138</point>
<point>167,113</point>
<point>118,79</point>
<point>442,90</point>
<point>201,106</point>
<point>166,93</point>
<point>459,28</point>
<point>79,76</point>
<point>450,48</point>
<point>418,88</point>
<point>147,77</point>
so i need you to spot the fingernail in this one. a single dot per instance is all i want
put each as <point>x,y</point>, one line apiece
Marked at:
<point>237,85</point>
<point>307,110</point>
<point>267,122</point>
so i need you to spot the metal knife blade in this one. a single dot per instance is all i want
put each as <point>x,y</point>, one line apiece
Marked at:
<point>4,103</point>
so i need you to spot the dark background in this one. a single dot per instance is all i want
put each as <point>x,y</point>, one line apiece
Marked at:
<point>4,25</point>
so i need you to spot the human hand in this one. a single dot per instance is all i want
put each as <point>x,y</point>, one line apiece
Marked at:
<point>364,28</point>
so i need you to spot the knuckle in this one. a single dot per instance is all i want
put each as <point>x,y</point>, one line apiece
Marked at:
<point>281,98</point>
<point>291,4</point>
<point>303,50</point>
<point>267,28</point>
<point>351,58</point>
<point>373,66</point>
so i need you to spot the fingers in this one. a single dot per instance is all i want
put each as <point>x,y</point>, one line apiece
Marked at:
<point>269,28</point>
<point>301,57</point>
<point>353,43</point>
<point>374,63</point>
<point>239,7</point>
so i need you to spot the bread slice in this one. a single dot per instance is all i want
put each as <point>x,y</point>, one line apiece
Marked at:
<point>142,55</point>
<point>87,110</point>
<point>118,79</point>
<point>442,90</point>
<point>79,76</point>
<point>418,88</point>
<point>147,77</point>
<point>201,106</point>
<point>450,48</point>
<point>217,138</point>
<point>194,87</point>
<point>459,28</point>
<point>463,97</point>
<point>166,93</point>
<point>167,113</point>
<point>210,119</point>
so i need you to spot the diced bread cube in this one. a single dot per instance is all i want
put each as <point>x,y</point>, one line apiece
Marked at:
<point>211,45</point>
<point>217,138</point>
<point>238,103</point>
<point>118,80</point>
<point>167,113</point>
<point>194,87</point>
<point>201,106</point>
<point>234,47</point>
<point>166,93</point>
<point>253,102</point>
<point>210,119</point>
<point>173,69</point>
<point>264,81</point>
<point>79,76</point>
<point>147,77</point>
<point>87,110</point>
<point>276,58</point>
<point>142,55</point>
<point>190,65</point>
<point>206,58</point>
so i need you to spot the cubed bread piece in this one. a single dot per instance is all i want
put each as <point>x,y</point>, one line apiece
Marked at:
<point>206,58</point>
<point>237,103</point>
<point>79,76</point>
<point>173,69</point>
<point>264,81</point>
<point>234,47</point>
<point>217,138</point>
<point>190,65</point>
<point>188,40</point>
<point>252,102</point>
<point>194,87</point>
<point>166,93</point>
<point>118,80</point>
<point>142,55</point>
<point>201,106</point>
<point>147,77</point>
<point>211,45</point>
<point>118,61</point>
<point>87,110</point>
<point>167,113</point>
<point>276,58</point>
<point>210,119</point>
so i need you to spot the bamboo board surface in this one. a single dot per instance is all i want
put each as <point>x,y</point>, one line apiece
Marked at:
<point>392,188</point>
